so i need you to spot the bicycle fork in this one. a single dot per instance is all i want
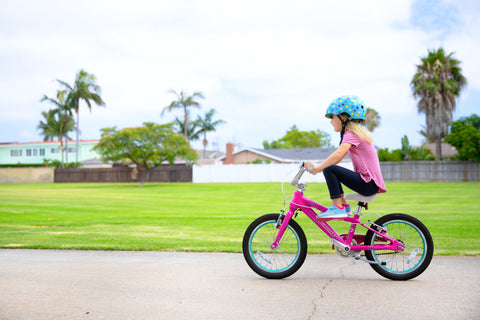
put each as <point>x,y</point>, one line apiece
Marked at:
<point>281,225</point>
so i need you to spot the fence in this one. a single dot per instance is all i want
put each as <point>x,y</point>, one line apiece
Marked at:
<point>436,171</point>
<point>274,172</point>
<point>26,175</point>
<point>124,174</point>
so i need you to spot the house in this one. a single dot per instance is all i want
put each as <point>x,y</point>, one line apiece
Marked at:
<point>250,155</point>
<point>206,157</point>
<point>448,150</point>
<point>36,152</point>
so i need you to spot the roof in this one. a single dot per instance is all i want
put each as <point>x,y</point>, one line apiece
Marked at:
<point>447,149</point>
<point>291,155</point>
<point>208,154</point>
<point>299,154</point>
<point>45,142</point>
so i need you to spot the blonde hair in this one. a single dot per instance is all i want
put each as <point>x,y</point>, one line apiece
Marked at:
<point>360,130</point>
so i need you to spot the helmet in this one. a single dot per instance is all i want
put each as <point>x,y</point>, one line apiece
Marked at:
<point>352,105</point>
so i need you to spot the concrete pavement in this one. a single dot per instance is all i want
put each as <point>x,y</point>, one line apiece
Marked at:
<point>53,284</point>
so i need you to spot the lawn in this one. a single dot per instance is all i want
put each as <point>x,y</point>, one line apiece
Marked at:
<point>210,217</point>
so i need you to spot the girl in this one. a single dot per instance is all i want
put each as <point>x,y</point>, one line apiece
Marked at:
<point>347,114</point>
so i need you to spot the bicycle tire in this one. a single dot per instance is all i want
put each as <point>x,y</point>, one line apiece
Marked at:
<point>401,265</point>
<point>281,262</point>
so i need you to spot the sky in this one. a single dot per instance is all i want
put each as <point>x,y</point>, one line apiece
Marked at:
<point>264,66</point>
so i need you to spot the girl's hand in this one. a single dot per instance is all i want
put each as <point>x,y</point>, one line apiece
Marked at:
<point>309,166</point>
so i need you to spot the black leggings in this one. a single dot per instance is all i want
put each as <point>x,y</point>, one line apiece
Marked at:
<point>336,175</point>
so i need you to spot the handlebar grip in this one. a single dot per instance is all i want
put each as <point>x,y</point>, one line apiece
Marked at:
<point>310,166</point>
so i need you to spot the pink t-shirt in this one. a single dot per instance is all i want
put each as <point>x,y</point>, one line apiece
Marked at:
<point>365,159</point>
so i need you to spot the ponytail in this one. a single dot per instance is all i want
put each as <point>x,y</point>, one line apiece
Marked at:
<point>360,130</point>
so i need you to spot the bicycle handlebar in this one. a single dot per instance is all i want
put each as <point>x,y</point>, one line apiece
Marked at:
<point>298,176</point>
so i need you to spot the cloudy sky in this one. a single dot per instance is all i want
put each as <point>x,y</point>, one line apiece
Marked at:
<point>263,65</point>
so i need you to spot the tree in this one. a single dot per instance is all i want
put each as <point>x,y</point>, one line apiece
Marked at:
<point>207,124</point>
<point>423,133</point>
<point>58,125</point>
<point>84,88</point>
<point>47,127</point>
<point>465,137</point>
<point>406,150</point>
<point>437,83</point>
<point>299,139</point>
<point>64,107</point>
<point>406,153</point>
<point>192,131</point>
<point>183,102</point>
<point>372,120</point>
<point>147,146</point>
<point>387,155</point>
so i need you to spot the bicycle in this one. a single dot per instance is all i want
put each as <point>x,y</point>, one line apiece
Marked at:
<point>397,246</point>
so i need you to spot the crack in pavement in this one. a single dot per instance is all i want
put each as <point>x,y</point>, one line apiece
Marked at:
<point>317,302</point>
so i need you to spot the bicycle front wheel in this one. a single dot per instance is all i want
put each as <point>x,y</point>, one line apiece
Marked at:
<point>281,262</point>
<point>401,265</point>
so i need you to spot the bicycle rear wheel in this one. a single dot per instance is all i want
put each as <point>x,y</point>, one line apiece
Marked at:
<point>401,265</point>
<point>281,262</point>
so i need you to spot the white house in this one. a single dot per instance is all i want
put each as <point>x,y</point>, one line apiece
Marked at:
<point>36,152</point>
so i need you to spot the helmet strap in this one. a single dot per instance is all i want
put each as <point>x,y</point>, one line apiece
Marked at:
<point>344,125</point>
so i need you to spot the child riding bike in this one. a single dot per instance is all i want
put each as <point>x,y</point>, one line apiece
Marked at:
<point>347,114</point>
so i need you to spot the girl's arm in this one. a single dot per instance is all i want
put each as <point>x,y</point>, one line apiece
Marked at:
<point>334,158</point>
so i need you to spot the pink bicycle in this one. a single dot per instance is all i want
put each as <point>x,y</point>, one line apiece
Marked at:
<point>397,246</point>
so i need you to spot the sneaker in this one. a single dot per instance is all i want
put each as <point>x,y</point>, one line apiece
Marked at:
<point>334,212</point>
<point>347,208</point>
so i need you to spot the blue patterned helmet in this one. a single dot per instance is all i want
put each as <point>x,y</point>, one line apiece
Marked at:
<point>351,105</point>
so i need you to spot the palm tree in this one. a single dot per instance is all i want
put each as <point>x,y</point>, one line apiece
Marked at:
<point>192,133</point>
<point>62,107</point>
<point>207,124</point>
<point>423,133</point>
<point>84,88</point>
<point>183,102</point>
<point>47,127</point>
<point>57,124</point>
<point>437,83</point>
<point>372,119</point>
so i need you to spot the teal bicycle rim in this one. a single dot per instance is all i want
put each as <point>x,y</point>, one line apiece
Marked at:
<point>418,234</point>
<point>271,253</point>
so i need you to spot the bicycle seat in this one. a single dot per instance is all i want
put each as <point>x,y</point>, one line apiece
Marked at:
<point>360,198</point>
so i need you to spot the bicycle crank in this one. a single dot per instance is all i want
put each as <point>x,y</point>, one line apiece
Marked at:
<point>341,248</point>
<point>341,251</point>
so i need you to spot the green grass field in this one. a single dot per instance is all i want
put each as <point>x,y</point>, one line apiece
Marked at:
<point>210,217</point>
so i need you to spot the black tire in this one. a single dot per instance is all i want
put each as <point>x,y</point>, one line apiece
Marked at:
<point>401,265</point>
<point>279,263</point>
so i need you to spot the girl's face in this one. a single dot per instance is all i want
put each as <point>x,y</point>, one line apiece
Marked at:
<point>336,123</point>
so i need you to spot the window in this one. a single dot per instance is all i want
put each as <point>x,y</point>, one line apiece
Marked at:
<point>42,152</point>
<point>54,150</point>
<point>72,150</point>
<point>29,152</point>
<point>16,152</point>
<point>35,152</point>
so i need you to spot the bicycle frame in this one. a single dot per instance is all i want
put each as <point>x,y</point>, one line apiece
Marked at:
<point>300,202</point>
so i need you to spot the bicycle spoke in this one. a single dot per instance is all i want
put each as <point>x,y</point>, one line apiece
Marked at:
<point>412,240</point>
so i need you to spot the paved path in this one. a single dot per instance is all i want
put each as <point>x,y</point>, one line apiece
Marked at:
<point>51,284</point>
